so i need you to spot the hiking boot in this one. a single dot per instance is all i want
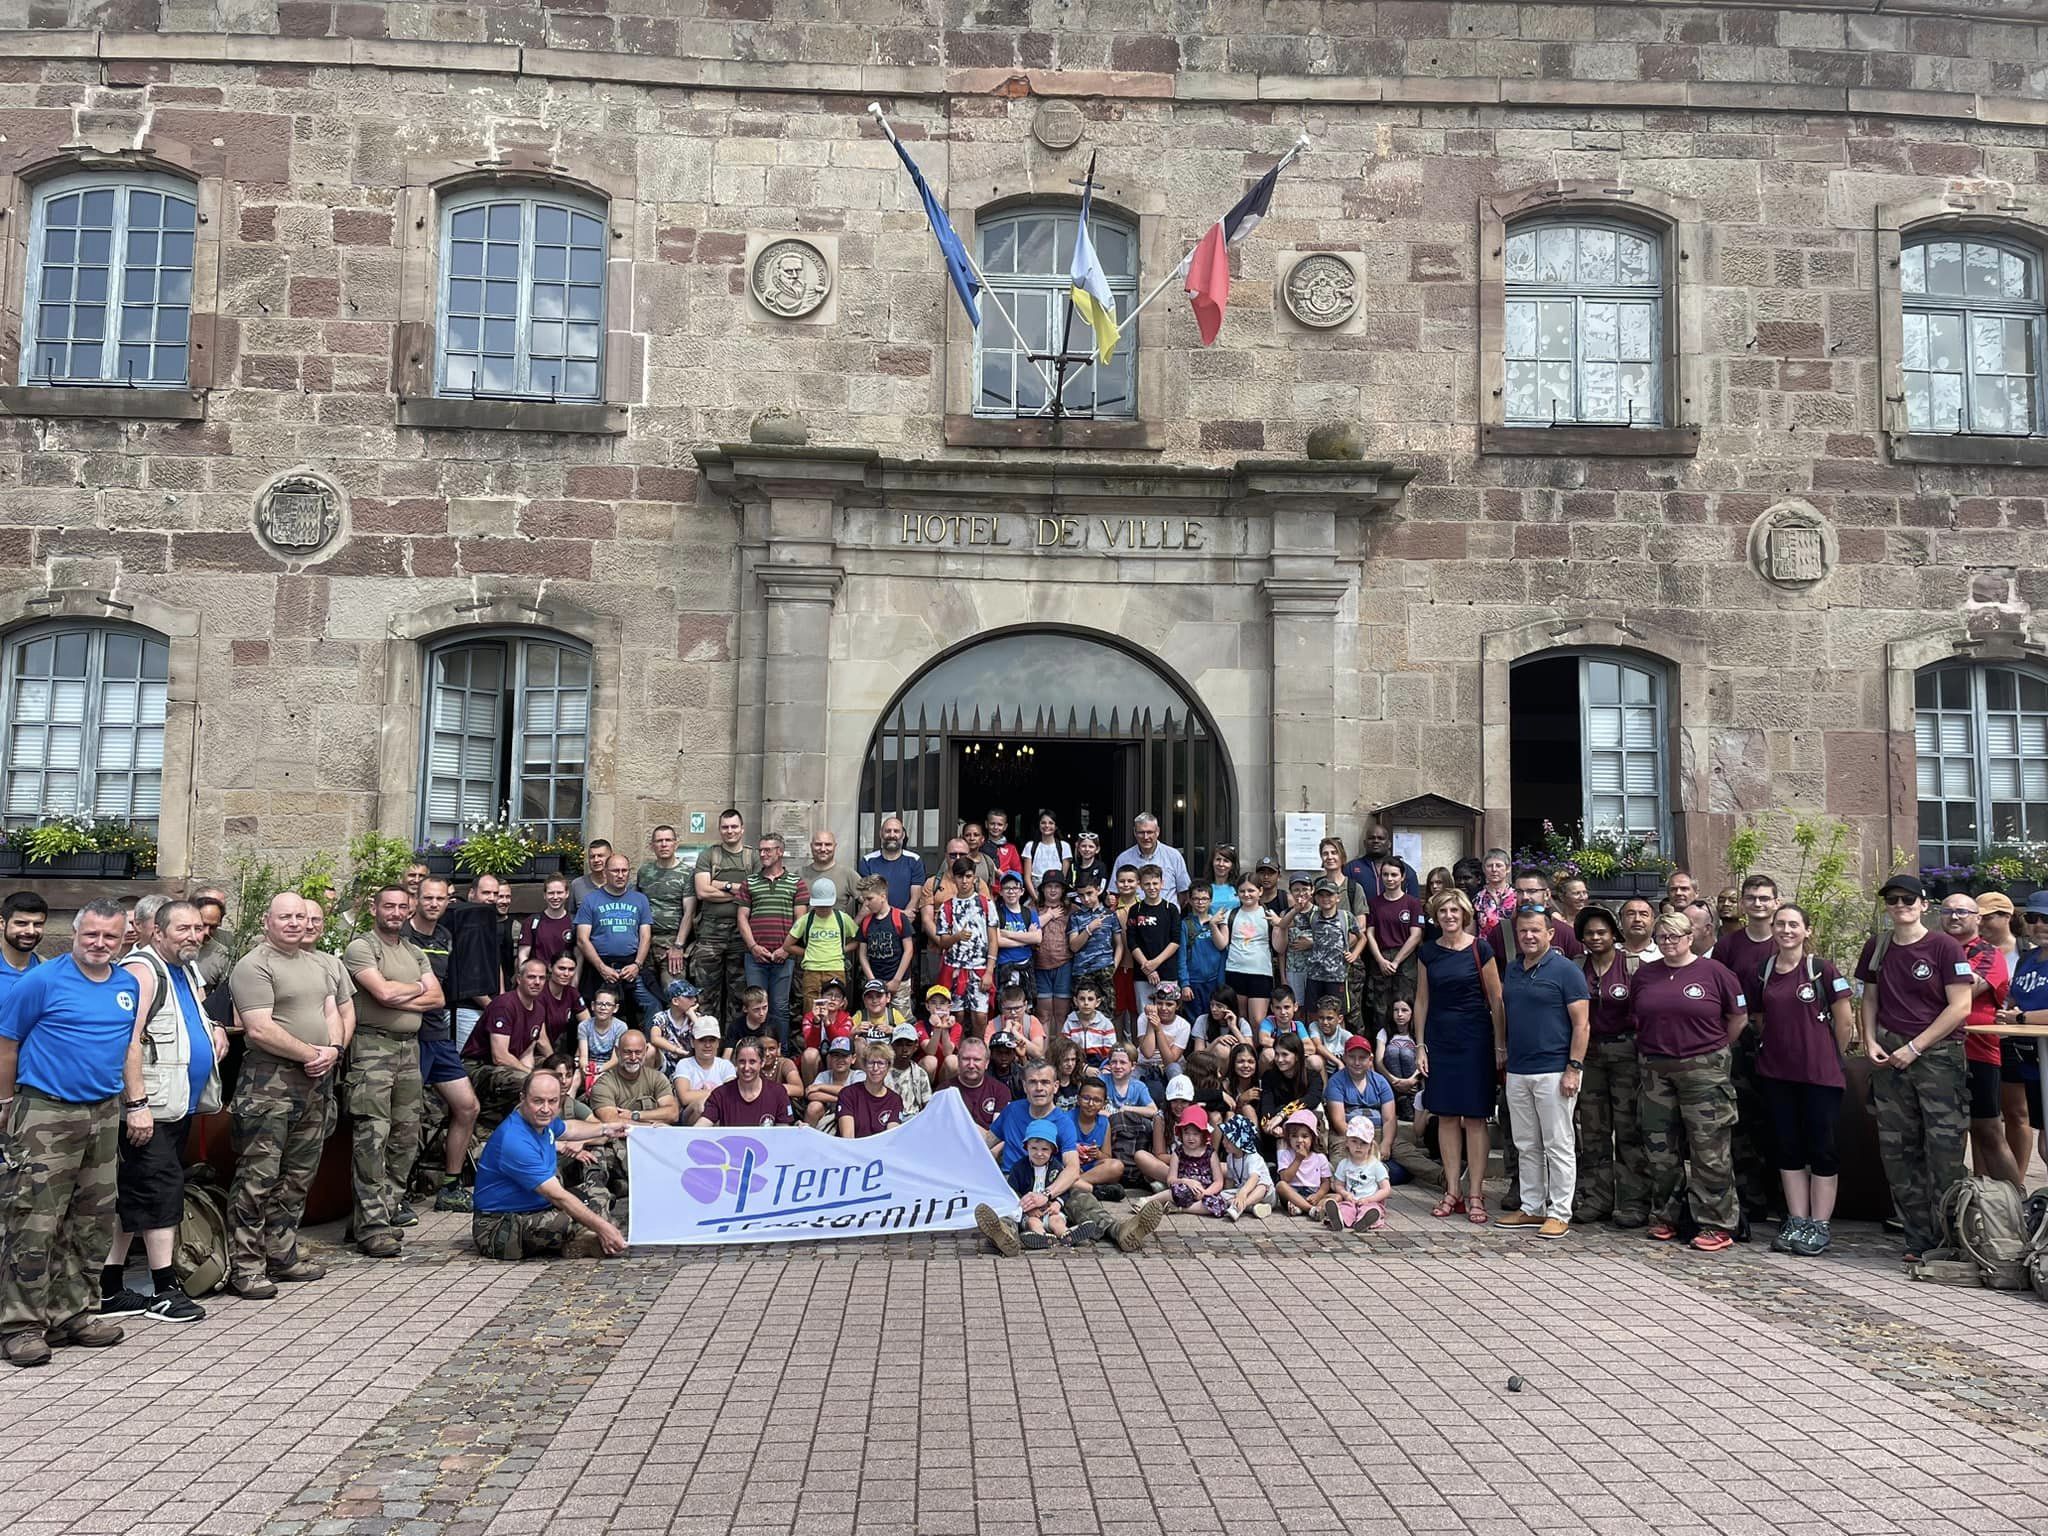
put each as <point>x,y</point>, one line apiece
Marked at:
<point>124,1303</point>
<point>1130,1237</point>
<point>382,1245</point>
<point>25,1348</point>
<point>1814,1239</point>
<point>1001,1235</point>
<point>174,1306</point>
<point>251,1287</point>
<point>297,1270</point>
<point>1034,1241</point>
<point>1087,1232</point>
<point>84,1331</point>
<point>453,1197</point>
<point>406,1216</point>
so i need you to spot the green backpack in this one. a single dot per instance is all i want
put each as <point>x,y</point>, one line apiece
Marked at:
<point>201,1254</point>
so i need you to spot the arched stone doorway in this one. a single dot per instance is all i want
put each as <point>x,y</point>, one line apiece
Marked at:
<point>1049,718</point>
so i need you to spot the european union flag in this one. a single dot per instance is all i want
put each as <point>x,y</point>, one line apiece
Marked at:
<point>965,283</point>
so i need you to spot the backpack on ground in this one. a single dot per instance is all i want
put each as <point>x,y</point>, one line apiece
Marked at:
<point>200,1255</point>
<point>1985,1237</point>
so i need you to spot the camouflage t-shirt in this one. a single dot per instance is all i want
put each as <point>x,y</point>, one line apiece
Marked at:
<point>665,890</point>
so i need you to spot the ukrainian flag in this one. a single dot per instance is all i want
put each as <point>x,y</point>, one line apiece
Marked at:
<point>1092,298</point>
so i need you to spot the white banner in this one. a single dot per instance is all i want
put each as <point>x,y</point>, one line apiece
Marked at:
<point>706,1184</point>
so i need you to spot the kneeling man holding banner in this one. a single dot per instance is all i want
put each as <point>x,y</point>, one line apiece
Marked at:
<point>522,1205</point>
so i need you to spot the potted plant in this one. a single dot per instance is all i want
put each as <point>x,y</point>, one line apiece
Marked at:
<point>1615,865</point>
<point>496,848</point>
<point>439,857</point>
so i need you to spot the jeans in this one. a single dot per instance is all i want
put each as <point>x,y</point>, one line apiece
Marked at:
<point>1542,1120</point>
<point>776,979</point>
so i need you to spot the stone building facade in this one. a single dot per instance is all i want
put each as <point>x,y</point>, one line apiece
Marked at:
<point>365,567</point>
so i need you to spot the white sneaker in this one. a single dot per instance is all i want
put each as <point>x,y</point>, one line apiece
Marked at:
<point>1262,1210</point>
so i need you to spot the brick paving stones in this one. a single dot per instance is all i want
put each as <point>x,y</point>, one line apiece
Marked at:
<point>1263,1377</point>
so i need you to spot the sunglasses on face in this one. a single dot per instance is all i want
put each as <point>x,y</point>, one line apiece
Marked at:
<point>1900,899</point>
<point>2037,917</point>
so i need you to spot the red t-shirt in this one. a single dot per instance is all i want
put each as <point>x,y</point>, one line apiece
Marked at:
<point>1988,961</point>
<point>1393,919</point>
<point>1913,989</point>
<point>726,1106</point>
<point>871,1115</point>
<point>1682,1010</point>
<point>1613,995</point>
<point>985,1100</point>
<point>1798,1025</point>
<point>1745,956</point>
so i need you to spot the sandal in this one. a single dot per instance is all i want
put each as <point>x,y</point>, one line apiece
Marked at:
<point>1476,1211</point>
<point>1450,1205</point>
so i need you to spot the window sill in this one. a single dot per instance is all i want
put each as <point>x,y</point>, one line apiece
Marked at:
<point>975,432</point>
<point>446,415</point>
<point>108,404</point>
<point>1968,448</point>
<point>1592,442</point>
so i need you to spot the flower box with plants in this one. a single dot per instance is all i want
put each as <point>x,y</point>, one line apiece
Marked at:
<point>1615,865</point>
<point>2018,869</point>
<point>507,850</point>
<point>96,847</point>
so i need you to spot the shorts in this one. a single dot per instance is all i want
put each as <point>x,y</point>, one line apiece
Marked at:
<point>1804,1118</point>
<point>1984,1080</point>
<point>439,1062</point>
<point>1057,982</point>
<point>1249,985</point>
<point>1314,991</point>
<point>149,1180</point>
<point>969,989</point>
<point>2018,1063</point>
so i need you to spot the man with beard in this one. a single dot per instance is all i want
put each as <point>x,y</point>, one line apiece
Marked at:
<point>381,1084</point>
<point>22,916</point>
<point>508,1042</point>
<point>440,1062</point>
<point>181,1054</point>
<point>903,869</point>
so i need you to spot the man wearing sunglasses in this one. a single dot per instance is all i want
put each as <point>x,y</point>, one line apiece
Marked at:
<point>2027,1000</point>
<point>1916,995</point>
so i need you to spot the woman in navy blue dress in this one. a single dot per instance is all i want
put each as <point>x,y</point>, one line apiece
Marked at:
<point>1459,1048</point>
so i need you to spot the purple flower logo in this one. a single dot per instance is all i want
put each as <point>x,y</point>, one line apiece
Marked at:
<point>719,1164</point>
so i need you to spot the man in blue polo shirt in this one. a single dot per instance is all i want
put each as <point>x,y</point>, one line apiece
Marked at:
<point>522,1205</point>
<point>614,927</point>
<point>1087,1216</point>
<point>22,916</point>
<point>66,1075</point>
<point>1548,1010</point>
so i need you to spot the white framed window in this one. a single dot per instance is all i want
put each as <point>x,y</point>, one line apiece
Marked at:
<point>1971,353</point>
<point>108,293</point>
<point>85,723</point>
<point>1622,735</point>
<point>1980,744</point>
<point>1583,324</point>
<point>1027,256</point>
<point>507,733</point>
<point>521,305</point>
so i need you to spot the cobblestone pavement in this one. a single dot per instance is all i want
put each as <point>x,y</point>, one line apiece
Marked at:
<point>1264,1377</point>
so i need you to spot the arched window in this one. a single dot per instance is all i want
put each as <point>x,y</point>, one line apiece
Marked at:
<point>507,733</point>
<point>1583,324</point>
<point>108,294</point>
<point>1587,745</point>
<point>85,723</point>
<point>1972,308</point>
<point>1027,255</point>
<point>522,294</point>
<point>1980,742</point>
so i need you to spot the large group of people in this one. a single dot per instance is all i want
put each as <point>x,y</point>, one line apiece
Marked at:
<point>1131,1039</point>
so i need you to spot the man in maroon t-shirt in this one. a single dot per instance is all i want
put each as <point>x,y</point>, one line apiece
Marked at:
<point>1746,952</point>
<point>506,1045</point>
<point>1916,995</point>
<point>985,1097</point>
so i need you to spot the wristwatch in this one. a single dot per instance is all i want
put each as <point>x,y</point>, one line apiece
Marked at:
<point>1575,1066</point>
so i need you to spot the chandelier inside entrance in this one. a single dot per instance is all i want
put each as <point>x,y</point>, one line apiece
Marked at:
<point>1002,764</point>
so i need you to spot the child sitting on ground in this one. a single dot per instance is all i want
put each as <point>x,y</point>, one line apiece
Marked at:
<point>1248,1182</point>
<point>1088,1026</point>
<point>1197,1174</point>
<point>1305,1183</point>
<point>1361,1180</point>
<point>1046,1223</point>
<point>597,1037</point>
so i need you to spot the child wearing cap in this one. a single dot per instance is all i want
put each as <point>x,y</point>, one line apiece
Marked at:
<point>827,1021</point>
<point>1362,1186</point>
<point>672,1032</point>
<point>1247,1181</point>
<point>877,1009</point>
<point>824,934</point>
<point>1047,1223</point>
<point>912,1084</point>
<point>1004,1063</point>
<point>1196,1176</point>
<point>821,1098</point>
<point>1016,933</point>
<point>940,1033</point>
<point>1201,962</point>
<point>1305,1182</point>
<point>703,1069</point>
<point>1297,945</point>
<point>1330,933</point>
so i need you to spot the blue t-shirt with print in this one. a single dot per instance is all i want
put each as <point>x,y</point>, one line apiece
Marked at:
<point>516,1161</point>
<point>73,1031</point>
<point>615,922</point>
<point>1010,1124</point>
<point>2030,981</point>
<point>1097,953</point>
<point>1134,1095</point>
<point>1373,1095</point>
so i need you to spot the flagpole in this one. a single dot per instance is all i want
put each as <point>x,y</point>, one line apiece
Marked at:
<point>1180,268</point>
<point>1023,346</point>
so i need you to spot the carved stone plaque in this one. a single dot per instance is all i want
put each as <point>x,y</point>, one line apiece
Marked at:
<point>1321,290</point>
<point>1057,125</point>
<point>298,516</point>
<point>1792,546</point>
<point>791,278</point>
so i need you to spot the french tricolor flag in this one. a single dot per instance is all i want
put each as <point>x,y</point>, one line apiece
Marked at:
<point>1208,265</point>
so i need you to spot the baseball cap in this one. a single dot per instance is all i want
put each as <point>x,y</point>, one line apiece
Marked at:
<point>1994,901</point>
<point>1181,1086</point>
<point>705,1028</point>
<point>1328,887</point>
<point>1011,877</point>
<point>875,984</point>
<point>1299,877</point>
<point>904,1032</point>
<point>1194,1115</point>
<point>1357,1043</point>
<point>1167,991</point>
<point>932,992</point>
<point>1353,1133</point>
<point>1265,864</point>
<point>1905,885</point>
<point>840,1043</point>
<point>678,989</point>
<point>823,893</point>
<point>2037,904</point>
<point>1305,1117</point>
<point>1002,1039</point>
<point>832,984</point>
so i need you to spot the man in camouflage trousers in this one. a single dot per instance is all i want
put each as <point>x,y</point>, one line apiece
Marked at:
<point>717,954</point>
<point>382,1082</point>
<point>1688,1115</point>
<point>1614,1175</point>
<point>524,1207</point>
<point>70,1072</point>
<point>284,1100</point>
